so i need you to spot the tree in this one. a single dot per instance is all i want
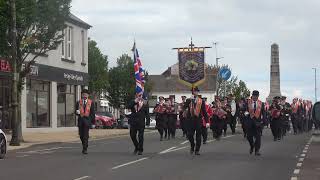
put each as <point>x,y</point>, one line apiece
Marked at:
<point>241,91</point>
<point>122,84</point>
<point>121,88</point>
<point>98,70</point>
<point>31,29</point>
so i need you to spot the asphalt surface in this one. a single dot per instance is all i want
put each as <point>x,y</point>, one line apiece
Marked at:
<point>113,158</point>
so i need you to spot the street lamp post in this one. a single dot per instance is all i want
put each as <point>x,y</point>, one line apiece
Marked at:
<point>315,84</point>
<point>217,65</point>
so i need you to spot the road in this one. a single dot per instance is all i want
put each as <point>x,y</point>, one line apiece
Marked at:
<point>113,159</point>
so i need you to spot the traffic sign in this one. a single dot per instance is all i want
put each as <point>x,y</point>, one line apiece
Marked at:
<point>225,73</point>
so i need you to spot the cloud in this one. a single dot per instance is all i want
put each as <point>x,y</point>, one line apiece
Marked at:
<point>244,29</point>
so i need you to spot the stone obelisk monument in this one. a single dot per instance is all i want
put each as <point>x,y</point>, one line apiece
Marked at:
<point>274,73</point>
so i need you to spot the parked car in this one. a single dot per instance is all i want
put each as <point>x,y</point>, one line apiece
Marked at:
<point>105,120</point>
<point>123,122</point>
<point>3,144</point>
<point>152,124</point>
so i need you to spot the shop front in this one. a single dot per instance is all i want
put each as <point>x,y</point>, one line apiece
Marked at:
<point>50,98</point>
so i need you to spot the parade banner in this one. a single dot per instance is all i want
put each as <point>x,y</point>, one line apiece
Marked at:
<point>191,66</point>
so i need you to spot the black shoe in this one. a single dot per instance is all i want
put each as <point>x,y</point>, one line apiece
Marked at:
<point>191,151</point>
<point>140,153</point>
<point>257,153</point>
<point>135,151</point>
<point>197,153</point>
<point>84,151</point>
<point>274,139</point>
<point>251,150</point>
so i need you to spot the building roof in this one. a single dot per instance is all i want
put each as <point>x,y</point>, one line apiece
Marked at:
<point>171,83</point>
<point>77,21</point>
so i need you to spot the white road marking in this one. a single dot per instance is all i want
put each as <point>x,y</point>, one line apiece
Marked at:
<point>303,155</point>
<point>296,171</point>
<point>167,150</point>
<point>184,142</point>
<point>294,178</point>
<point>22,156</point>
<point>299,164</point>
<point>84,177</point>
<point>178,149</point>
<point>304,151</point>
<point>301,159</point>
<point>211,141</point>
<point>132,162</point>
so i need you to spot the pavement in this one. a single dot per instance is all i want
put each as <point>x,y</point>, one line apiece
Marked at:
<point>112,158</point>
<point>310,165</point>
<point>36,138</point>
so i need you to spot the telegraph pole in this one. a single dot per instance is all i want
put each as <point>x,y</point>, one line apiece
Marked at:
<point>217,65</point>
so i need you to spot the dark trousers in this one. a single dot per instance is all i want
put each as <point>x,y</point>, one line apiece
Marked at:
<point>160,124</point>
<point>194,127</point>
<point>204,133</point>
<point>172,122</point>
<point>243,125</point>
<point>138,143</point>
<point>217,127</point>
<point>233,124</point>
<point>183,125</point>
<point>84,135</point>
<point>254,135</point>
<point>276,128</point>
<point>294,121</point>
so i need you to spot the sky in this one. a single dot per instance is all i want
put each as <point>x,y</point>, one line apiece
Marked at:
<point>244,30</point>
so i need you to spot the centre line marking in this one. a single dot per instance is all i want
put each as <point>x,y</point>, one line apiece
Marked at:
<point>132,162</point>
<point>304,151</point>
<point>167,150</point>
<point>294,178</point>
<point>23,156</point>
<point>301,159</point>
<point>84,177</point>
<point>296,171</point>
<point>303,155</point>
<point>184,142</point>
<point>178,149</point>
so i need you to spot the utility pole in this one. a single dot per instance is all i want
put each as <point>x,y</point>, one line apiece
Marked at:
<point>315,84</point>
<point>15,141</point>
<point>217,65</point>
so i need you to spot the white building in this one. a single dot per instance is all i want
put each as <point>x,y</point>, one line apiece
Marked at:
<point>54,85</point>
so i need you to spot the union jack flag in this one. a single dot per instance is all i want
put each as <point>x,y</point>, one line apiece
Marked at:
<point>138,71</point>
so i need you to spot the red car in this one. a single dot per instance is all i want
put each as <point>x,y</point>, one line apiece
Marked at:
<point>105,120</point>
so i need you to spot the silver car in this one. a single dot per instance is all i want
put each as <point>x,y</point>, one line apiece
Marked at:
<point>3,144</point>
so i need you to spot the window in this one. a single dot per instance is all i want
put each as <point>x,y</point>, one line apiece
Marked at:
<point>67,44</point>
<point>82,47</point>
<point>66,105</point>
<point>63,43</point>
<point>38,104</point>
